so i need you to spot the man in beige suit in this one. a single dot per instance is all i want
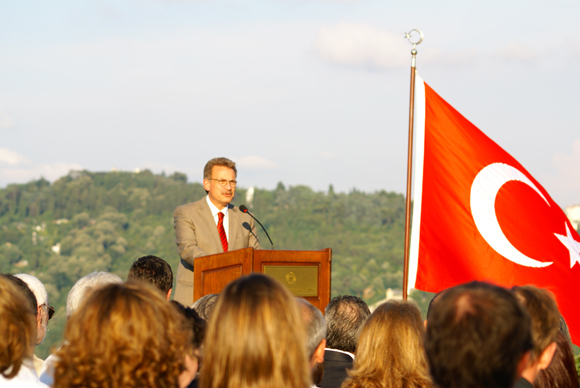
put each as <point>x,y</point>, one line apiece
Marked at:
<point>210,225</point>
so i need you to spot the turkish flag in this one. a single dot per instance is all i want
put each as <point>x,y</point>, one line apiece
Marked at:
<point>479,215</point>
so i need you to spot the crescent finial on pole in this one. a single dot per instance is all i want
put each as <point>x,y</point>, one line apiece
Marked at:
<point>414,41</point>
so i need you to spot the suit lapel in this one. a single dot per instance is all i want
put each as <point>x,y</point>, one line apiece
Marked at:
<point>210,226</point>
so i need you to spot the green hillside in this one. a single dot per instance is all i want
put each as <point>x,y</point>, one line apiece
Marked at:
<point>105,221</point>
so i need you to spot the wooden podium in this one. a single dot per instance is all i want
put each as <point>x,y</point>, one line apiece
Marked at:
<point>305,273</point>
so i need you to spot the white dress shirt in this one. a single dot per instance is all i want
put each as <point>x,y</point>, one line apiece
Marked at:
<point>340,351</point>
<point>26,378</point>
<point>214,213</point>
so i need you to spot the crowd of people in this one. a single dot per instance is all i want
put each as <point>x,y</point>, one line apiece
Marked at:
<point>255,334</point>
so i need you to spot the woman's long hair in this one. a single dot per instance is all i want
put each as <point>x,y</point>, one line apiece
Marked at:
<point>18,328</point>
<point>255,338</point>
<point>390,352</point>
<point>124,335</point>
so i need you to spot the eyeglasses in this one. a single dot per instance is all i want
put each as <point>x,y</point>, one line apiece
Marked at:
<point>224,182</point>
<point>50,310</point>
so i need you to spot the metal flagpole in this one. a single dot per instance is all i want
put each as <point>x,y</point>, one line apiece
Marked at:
<point>410,160</point>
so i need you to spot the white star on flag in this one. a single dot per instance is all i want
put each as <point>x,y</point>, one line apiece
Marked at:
<point>572,245</point>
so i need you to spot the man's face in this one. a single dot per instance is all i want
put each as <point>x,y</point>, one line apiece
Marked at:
<point>220,196</point>
<point>41,323</point>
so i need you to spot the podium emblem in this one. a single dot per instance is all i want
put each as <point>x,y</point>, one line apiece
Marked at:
<point>301,280</point>
<point>291,278</point>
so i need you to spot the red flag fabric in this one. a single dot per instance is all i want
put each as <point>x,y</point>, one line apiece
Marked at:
<point>479,215</point>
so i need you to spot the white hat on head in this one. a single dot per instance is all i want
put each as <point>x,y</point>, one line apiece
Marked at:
<point>36,287</point>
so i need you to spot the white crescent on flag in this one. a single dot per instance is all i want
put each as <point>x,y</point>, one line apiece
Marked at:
<point>483,192</point>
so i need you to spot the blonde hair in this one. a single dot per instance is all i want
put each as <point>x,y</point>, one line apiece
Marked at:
<point>390,351</point>
<point>18,328</point>
<point>255,338</point>
<point>124,335</point>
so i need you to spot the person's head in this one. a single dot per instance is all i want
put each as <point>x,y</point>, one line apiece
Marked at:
<point>205,305</point>
<point>478,335</point>
<point>153,270</point>
<point>315,326</point>
<point>127,335</point>
<point>219,181</point>
<point>197,326</point>
<point>390,348</point>
<point>24,290</point>
<point>44,310</point>
<point>85,286</point>
<point>545,318</point>
<point>194,322</point>
<point>30,299</point>
<point>562,370</point>
<point>432,304</point>
<point>18,328</point>
<point>254,330</point>
<point>345,316</point>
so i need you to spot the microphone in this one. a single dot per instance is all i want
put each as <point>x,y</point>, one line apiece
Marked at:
<point>244,209</point>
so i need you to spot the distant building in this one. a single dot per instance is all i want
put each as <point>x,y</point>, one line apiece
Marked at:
<point>573,214</point>
<point>250,197</point>
<point>56,248</point>
<point>389,294</point>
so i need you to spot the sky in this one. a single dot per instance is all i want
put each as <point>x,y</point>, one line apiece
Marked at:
<point>303,92</point>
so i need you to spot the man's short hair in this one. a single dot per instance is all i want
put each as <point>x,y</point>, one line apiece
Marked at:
<point>85,286</point>
<point>545,316</point>
<point>223,162</point>
<point>153,270</point>
<point>25,291</point>
<point>476,336</point>
<point>204,305</point>
<point>195,323</point>
<point>315,325</point>
<point>345,316</point>
<point>432,304</point>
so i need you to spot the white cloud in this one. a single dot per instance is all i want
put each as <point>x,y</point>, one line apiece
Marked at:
<point>565,183</point>
<point>10,157</point>
<point>362,45</point>
<point>253,162</point>
<point>516,52</point>
<point>335,1</point>
<point>16,168</point>
<point>327,155</point>
<point>6,121</point>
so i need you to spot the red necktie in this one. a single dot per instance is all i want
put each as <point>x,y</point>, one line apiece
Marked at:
<point>222,231</point>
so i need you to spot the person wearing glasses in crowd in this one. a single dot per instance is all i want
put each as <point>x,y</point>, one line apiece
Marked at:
<point>210,225</point>
<point>44,312</point>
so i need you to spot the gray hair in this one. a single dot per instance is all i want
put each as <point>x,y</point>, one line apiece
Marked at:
<point>204,305</point>
<point>85,287</point>
<point>345,316</point>
<point>315,325</point>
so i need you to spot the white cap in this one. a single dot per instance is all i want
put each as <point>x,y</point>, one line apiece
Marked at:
<point>36,287</point>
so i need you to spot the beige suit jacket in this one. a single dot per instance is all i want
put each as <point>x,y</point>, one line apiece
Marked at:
<point>196,235</point>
